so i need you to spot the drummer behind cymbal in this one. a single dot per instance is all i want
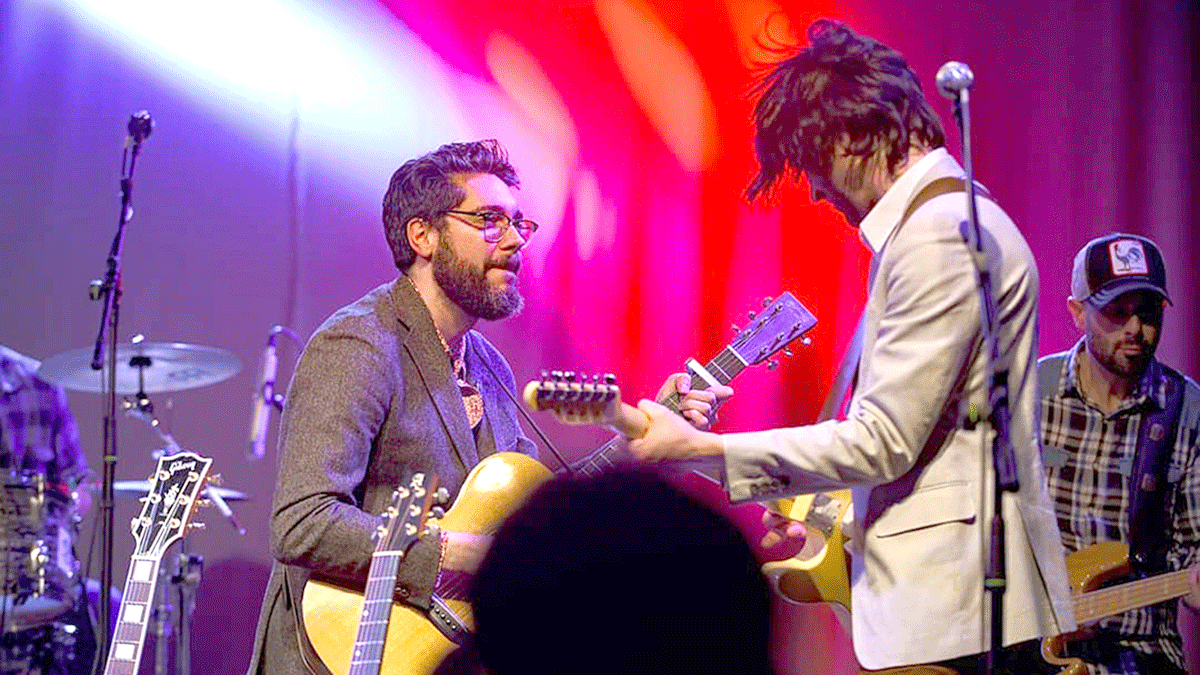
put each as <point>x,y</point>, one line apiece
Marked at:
<point>38,435</point>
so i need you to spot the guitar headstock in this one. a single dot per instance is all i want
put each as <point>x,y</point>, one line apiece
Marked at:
<point>575,400</point>
<point>168,507</point>
<point>778,324</point>
<point>404,518</point>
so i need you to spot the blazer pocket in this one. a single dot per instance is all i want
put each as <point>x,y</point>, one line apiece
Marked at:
<point>935,505</point>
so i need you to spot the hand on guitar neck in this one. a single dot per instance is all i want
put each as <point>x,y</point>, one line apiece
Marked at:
<point>597,401</point>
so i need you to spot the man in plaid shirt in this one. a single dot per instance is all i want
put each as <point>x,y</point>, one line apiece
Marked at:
<point>1094,397</point>
<point>38,435</point>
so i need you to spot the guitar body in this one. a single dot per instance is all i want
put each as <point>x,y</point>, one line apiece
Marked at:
<point>331,616</point>
<point>1087,570</point>
<point>820,572</point>
<point>495,488</point>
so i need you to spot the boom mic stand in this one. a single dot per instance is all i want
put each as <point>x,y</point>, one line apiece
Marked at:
<point>109,291</point>
<point>954,81</point>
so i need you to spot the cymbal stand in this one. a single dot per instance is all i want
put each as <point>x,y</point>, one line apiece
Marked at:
<point>173,611</point>
<point>143,409</point>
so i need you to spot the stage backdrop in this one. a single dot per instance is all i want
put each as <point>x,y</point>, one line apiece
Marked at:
<point>279,122</point>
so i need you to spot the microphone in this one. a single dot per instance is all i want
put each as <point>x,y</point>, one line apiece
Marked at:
<point>264,399</point>
<point>954,78</point>
<point>140,126</point>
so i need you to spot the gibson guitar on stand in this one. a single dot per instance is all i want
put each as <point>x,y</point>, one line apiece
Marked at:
<point>495,488</point>
<point>164,519</point>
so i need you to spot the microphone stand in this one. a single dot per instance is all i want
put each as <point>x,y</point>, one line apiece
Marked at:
<point>999,414</point>
<point>109,291</point>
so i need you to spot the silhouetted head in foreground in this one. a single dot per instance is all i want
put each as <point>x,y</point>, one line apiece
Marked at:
<point>620,573</point>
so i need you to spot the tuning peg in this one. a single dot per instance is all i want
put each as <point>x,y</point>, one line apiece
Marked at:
<point>441,496</point>
<point>203,503</point>
<point>216,479</point>
<point>195,526</point>
<point>788,353</point>
<point>438,512</point>
<point>772,364</point>
<point>751,314</point>
<point>569,375</point>
<point>133,523</point>
<point>766,301</point>
<point>734,328</point>
<point>806,340</point>
<point>610,378</point>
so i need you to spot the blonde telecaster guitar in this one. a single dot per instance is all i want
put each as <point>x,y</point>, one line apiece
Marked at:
<point>495,488</point>
<point>1088,569</point>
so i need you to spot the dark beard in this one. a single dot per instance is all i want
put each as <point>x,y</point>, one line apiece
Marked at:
<point>1127,367</point>
<point>470,290</point>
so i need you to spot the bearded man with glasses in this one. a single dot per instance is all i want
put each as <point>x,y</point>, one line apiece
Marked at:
<point>398,382</point>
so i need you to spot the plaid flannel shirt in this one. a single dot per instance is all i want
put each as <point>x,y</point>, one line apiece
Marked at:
<point>37,432</point>
<point>1089,459</point>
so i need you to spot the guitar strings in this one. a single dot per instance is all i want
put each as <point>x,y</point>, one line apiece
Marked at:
<point>726,363</point>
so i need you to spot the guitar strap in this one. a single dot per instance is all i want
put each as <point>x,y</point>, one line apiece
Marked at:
<point>1148,483</point>
<point>847,376</point>
<point>825,511</point>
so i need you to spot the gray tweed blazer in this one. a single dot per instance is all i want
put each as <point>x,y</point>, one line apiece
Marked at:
<point>372,396</point>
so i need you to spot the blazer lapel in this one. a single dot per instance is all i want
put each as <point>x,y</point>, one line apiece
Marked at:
<point>485,381</point>
<point>433,366</point>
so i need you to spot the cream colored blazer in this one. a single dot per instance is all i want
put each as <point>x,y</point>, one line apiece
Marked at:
<point>921,479</point>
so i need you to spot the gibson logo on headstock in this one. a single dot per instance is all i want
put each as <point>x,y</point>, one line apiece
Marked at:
<point>181,464</point>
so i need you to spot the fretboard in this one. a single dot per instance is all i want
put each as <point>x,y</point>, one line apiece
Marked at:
<point>1095,605</point>
<point>377,612</point>
<point>723,367</point>
<point>125,653</point>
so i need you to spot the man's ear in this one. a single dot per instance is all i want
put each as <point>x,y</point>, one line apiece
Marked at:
<point>1077,312</point>
<point>422,237</point>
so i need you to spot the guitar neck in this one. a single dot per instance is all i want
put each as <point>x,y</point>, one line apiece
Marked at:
<point>137,603</point>
<point>1095,605</point>
<point>376,613</point>
<point>723,367</point>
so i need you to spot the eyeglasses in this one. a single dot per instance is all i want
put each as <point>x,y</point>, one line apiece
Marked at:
<point>496,223</point>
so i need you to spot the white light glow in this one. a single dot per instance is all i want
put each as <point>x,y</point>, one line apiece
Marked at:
<point>358,80</point>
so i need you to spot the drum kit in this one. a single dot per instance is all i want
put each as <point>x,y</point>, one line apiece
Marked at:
<point>42,601</point>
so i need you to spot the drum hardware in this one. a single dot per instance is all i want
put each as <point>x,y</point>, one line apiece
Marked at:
<point>138,368</point>
<point>45,650</point>
<point>174,619</point>
<point>39,570</point>
<point>142,409</point>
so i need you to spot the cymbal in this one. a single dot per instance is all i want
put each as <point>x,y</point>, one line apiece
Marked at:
<point>141,488</point>
<point>143,367</point>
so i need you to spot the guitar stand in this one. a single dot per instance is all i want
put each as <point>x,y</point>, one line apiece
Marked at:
<point>174,620</point>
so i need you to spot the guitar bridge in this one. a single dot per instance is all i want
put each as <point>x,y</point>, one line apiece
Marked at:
<point>823,514</point>
<point>447,621</point>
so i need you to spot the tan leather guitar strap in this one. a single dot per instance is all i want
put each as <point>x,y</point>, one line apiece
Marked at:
<point>847,375</point>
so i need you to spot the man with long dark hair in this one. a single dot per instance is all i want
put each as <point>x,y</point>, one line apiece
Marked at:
<point>848,113</point>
